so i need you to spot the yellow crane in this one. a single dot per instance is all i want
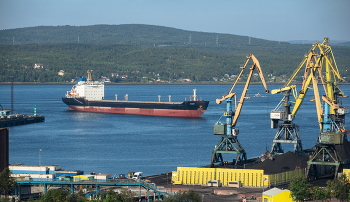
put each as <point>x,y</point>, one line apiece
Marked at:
<point>330,114</point>
<point>313,63</point>
<point>229,143</point>
<point>319,55</point>
<point>319,68</point>
<point>287,131</point>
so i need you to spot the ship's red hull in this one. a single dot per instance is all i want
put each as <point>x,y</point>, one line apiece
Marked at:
<point>140,111</point>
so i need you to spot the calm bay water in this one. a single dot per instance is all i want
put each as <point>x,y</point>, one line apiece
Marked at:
<point>117,144</point>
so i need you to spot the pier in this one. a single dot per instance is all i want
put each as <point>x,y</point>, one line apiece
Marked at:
<point>18,119</point>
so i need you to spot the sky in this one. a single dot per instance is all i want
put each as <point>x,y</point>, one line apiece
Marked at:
<point>278,20</point>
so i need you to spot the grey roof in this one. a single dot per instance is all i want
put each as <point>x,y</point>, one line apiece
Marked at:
<point>274,191</point>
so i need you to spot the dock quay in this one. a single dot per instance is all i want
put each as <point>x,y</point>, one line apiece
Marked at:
<point>19,119</point>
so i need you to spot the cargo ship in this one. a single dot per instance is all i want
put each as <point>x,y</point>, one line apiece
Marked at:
<point>88,96</point>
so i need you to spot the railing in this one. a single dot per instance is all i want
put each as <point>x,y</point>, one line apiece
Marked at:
<point>108,182</point>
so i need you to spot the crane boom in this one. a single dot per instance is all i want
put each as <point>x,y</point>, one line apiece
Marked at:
<point>276,91</point>
<point>314,63</point>
<point>219,100</point>
<point>256,66</point>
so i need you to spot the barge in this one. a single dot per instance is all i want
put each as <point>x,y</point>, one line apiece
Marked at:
<point>7,119</point>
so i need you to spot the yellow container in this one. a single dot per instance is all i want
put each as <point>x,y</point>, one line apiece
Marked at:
<point>245,177</point>
<point>201,176</point>
<point>347,173</point>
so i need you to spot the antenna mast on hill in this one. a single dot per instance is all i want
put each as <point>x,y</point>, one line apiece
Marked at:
<point>279,40</point>
<point>217,39</point>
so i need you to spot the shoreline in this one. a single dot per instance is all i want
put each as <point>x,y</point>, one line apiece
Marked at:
<point>204,83</point>
<point>72,83</point>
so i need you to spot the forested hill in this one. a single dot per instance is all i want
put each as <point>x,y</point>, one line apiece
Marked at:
<point>143,53</point>
<point>129,34</point>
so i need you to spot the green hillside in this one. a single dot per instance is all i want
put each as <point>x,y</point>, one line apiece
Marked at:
<point>131,34</point>
<point>144,53</point>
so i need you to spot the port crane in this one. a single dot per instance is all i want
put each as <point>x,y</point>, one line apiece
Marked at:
<point>287,131</point>
<point>330,114</point>
<point>229,143</point>
<point>313,72</point>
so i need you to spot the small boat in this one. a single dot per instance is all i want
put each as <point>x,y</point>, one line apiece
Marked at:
<point>88,96</point>
<point>259,95</point>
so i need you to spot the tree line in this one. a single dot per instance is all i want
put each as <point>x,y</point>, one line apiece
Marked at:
<point>338,188</point>
<point>144,53</point>
<point>145,64</point>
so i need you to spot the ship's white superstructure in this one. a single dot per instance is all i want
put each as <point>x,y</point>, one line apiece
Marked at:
<point>90,90</point>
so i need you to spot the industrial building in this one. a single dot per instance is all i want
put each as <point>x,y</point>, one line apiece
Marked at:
<point>4,148</point>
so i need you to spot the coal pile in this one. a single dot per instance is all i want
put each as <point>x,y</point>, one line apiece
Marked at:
<point>290,161</point>
<point>343,150</point>
<point>281,163</point>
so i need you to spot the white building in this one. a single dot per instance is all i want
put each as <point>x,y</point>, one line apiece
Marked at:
<point>38,66</point>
